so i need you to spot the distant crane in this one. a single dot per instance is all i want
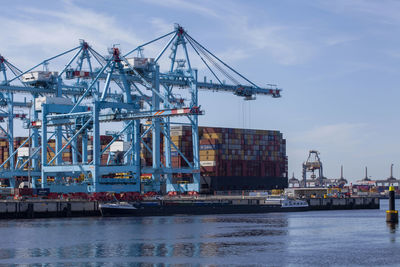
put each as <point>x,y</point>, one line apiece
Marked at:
<point>341,181</point>
<point>366,175</point>
<point>391,179</point>
<point>312,164</point>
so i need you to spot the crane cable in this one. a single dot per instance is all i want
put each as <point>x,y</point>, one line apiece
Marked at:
<point>212,61</point>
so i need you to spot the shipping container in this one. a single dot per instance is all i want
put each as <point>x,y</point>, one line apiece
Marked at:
<point>39,77</point>
<point>119,146</point>
<point>39,101</point>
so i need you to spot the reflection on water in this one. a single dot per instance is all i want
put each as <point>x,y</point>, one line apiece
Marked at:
<point>101,250</point>
<point>393,227</point>
<point>279,220</point>
<point>337,237</point>
<point>116,239</point>
<point>250,233</point>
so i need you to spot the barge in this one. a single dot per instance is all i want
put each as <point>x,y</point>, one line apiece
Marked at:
<point>47,208</point>
<point>240,205</point>
<point>165,208</point>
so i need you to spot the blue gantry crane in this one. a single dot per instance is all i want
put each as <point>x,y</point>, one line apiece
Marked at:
<point>140,96</point>
<point>8,113</point>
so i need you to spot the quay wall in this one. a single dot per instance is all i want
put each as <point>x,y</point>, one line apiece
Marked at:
<point>48,208</point>
<point>343,203</point>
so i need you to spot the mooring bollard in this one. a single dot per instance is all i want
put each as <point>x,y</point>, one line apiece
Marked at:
<point>392,214</point>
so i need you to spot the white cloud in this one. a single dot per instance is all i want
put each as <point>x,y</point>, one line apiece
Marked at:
<point>161,26</point>
<point>193,6</point>
<point>267,38</point>
<point>340,39</point>
<point>61,30</point>
<point>385,11</point>
<point>284,43</point>
<point>233,54</point>
<point>345,135</point>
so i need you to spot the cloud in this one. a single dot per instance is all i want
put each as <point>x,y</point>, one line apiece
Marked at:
<point>160,25</point>
<point>274,41</point>
<point>341,143</point>
<point>280,41</point>
<point>385,11</point>
<point>344,135</point>
<point>61,30</point>
<point>233,54</point>
<point>340,39</point>
<point>193,6</point>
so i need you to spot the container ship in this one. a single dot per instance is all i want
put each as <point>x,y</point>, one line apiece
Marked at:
<point>230,158</point>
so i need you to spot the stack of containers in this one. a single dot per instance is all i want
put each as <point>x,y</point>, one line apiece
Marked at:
<point>4,151</point>
<point>145,154</point>
<point>104,141</point>
<point>228,151</point>
<point>224,152</point>
<point>50,153</point>
<point>242,152</point>
<point>181,136</point>
<point>17,143</point>
<point>211,152</point>
<point>90,149</point>
<point>66,154</point>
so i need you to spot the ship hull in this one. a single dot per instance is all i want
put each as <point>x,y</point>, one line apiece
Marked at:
<point>179,209</point>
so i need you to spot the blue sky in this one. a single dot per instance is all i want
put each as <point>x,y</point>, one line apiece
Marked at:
<point>336,61</point>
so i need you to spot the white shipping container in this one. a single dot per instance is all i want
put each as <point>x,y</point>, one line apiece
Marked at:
<point>119,146</point>
<point>51,100</point>
<point>39,76</point>
<point>208,163</point>
<point>24,151</point>
<point>138,62</point>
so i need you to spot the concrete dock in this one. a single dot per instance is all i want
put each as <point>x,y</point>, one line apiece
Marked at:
<point>343,203</point>
<point>12,209</point>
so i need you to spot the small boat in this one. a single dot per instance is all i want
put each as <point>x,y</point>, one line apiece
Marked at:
<point>289,203</point>
<point>285,202</point>
<point>119,208</point>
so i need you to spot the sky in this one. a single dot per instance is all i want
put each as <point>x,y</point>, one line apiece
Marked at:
<point>337,63</point>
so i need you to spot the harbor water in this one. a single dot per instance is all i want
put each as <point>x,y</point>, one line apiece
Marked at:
<point>315,238</point>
